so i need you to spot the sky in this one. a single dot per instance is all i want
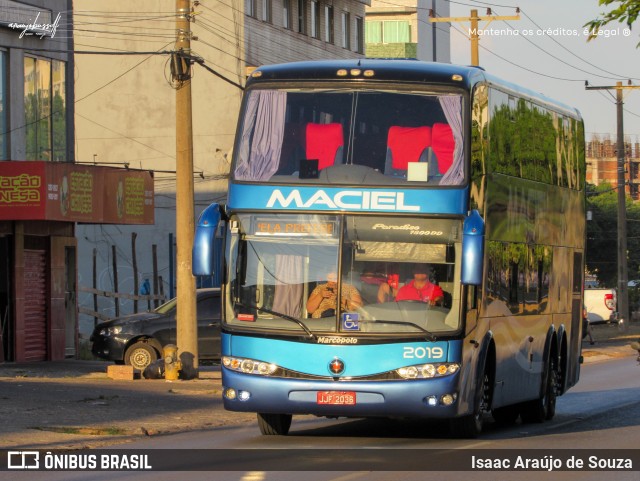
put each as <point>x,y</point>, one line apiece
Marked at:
<point>549,41</point>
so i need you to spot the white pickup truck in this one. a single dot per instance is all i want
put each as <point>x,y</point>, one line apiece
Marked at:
<point>601,305</point>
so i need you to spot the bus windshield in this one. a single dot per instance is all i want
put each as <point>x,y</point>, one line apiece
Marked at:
<point>297,273</point>
<point>349,136</point>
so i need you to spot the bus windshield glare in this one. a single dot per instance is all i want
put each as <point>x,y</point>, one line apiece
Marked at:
<point>393,276</point>
<point>346,136</point>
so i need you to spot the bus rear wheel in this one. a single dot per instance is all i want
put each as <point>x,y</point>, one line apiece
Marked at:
<point>274,424</point>
<point>506,415</point>
<point>543,408</point>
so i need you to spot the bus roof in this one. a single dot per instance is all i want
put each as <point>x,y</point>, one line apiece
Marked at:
<point>397,70</point>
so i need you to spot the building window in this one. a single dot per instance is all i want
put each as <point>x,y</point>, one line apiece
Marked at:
<point>286,14</point>
<point>251,8</point>
<point>315,19</point>
<point>302,16</point>
<point>266,11</point>
<point>4,136</point>
<point>388,31</point>
<point>45,109</point>
<point>328,26</point>
<point>359,35</point>
<point>346,31</point>
<point>373,31</point>
<point>59,111</point>
<point>396,31</point>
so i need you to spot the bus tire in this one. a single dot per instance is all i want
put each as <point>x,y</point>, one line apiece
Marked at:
<point>506,415</point>
<point>274,424</point>
<point>470,426</point>
<point>543,408</point>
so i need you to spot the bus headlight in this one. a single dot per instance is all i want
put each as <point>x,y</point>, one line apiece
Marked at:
<point>249,366</point>
<point>428,371</point>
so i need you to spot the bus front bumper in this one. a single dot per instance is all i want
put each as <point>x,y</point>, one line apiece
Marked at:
<point>424,398</point>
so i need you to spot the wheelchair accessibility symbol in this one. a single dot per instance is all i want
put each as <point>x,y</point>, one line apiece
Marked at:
<point>350,321</point>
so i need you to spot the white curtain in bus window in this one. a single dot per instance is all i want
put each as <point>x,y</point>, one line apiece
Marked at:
<point>262,134</point>
<point>452,107</point>
<point>287,298</point>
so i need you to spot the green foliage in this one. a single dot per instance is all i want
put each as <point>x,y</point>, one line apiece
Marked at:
<point>626,11</point>
<point>602,235</point>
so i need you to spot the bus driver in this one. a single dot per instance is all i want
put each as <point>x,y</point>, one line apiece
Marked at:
<point>419,289</point>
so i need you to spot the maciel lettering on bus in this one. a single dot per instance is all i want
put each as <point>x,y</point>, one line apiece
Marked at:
<point>345,199</point>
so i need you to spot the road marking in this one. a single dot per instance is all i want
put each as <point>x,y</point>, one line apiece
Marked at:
<point>253,476</point>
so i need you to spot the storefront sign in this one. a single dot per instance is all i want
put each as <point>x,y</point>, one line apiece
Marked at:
<point>68,192</point>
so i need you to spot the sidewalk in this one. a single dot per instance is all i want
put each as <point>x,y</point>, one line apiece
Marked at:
<point>73,404</point>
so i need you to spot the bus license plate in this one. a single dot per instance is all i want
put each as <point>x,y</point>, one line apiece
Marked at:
<point>345,398</point>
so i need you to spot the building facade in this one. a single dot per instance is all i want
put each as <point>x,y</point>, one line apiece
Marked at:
<point>37,257</point>
<point>125,110</point>
<point>401,29</point>
<point>43,192</point>
<point>602,164</point>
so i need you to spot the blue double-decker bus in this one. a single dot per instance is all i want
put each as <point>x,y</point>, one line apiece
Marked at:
<point>400,239</point>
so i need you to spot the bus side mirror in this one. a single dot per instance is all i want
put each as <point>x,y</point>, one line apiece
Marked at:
<point>206,254</point>
<point>472,249</point>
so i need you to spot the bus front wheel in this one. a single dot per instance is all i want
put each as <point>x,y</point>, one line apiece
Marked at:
<point>470,426</point>
<point>274,424</point>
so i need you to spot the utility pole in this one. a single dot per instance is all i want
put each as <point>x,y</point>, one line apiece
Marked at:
<point>473,31</point>
<point>187,330</point>
<point>623,276</point>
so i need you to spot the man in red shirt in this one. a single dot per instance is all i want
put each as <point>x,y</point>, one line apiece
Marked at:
<point>421,288</point>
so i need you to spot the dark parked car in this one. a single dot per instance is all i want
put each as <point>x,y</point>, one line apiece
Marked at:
<point>137,339</point>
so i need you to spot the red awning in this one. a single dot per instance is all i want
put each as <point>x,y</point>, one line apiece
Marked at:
<point>38,190</point>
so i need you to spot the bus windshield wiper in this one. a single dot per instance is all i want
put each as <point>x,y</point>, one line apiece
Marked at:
<point>430,336</point>
<point>280,315</point>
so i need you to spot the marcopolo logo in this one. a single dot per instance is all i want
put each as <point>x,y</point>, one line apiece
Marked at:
<point>23,460</point>
<point>344,199</point>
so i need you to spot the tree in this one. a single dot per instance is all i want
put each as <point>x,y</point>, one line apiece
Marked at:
<point>602,235</point>
<point>627,11</point>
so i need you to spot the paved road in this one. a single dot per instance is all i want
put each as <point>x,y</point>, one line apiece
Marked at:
<point>603,411</point>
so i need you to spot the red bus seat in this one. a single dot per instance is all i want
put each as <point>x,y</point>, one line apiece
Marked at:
<point>404,145</point>
<point>443,145</point>
<point>324,142</point>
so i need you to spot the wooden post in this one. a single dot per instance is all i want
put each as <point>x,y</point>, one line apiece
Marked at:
<point>95,285</point>
<point>134,261</point>
<point>116,301</point>
<point>161,284</point>
<point>154,253</point>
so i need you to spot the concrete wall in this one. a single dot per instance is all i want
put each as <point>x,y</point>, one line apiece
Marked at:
<point>125,112</point>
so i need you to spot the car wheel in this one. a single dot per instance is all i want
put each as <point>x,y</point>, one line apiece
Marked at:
<point>140,355</point>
